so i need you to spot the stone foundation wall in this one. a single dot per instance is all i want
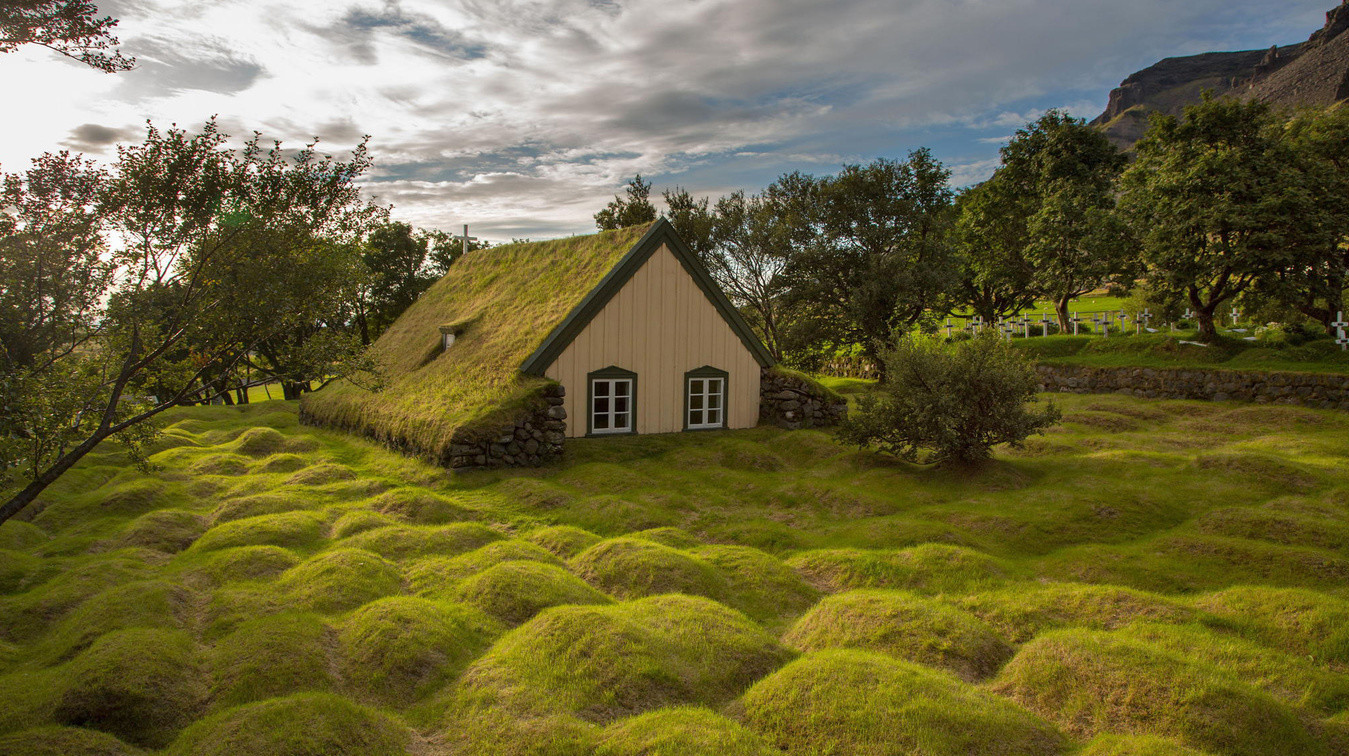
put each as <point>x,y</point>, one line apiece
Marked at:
<point>1322,390</point>
<point>535,438</point>
<point>789,402</point>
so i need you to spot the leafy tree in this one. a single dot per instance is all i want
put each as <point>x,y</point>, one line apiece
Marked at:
<point>870,246</point>
<point>69,27</point>
<point>221,254</point>
<point>399,263</point>
<point>693,220</point>
<point>1217,201</point>
<point>748,258</point>
<point>950,403</point>
<point>990,239</point>
<point>632,210</point>
<point>1061,175</point>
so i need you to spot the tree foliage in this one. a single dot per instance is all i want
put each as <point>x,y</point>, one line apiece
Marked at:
<point>399,263</point>
<point>950,403</point>
<point>990,240</point>
<point>632,209</point>
<point>69,27</point>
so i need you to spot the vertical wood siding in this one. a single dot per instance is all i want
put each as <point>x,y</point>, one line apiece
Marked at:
<point>660,326</point>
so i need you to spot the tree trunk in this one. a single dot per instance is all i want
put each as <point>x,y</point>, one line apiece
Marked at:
<point>1061,310</point>
<point>1208,330</point>
<point>49,476</point>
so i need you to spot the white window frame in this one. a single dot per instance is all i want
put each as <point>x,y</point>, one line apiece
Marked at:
<point>705,384</point>
<point>611,399</point>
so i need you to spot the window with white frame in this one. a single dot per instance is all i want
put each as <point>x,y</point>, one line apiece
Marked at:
<point>705,399</point>
<point>612,398</point>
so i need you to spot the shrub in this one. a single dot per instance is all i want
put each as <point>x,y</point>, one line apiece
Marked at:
<point>681,731</point>
<point>904,626</point>
<point>866,704</point>
<point>269,657</point>
<point>339,580</point>
<point>306,723</point>
<point>515,591</point>
<point>634,567</point>
<point>949,403</point>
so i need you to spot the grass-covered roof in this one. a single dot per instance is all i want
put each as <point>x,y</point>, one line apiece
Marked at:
<point>503,301</point>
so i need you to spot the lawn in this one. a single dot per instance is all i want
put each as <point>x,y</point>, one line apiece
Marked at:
<point>1164,350</point>
<point>1149,578</point>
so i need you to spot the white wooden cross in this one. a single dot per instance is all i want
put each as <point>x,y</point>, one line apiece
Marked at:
<point>1189,314</point>
<point>1143,318</point>
<point>1075,320</point>
<point>1235,315</point>
<point>465,238</point>
<point>948,328</point>
<point>1044,324</point>
<point>1339,325</point>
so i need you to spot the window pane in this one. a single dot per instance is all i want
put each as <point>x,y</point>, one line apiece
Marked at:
<point>622,388</point>
<point>696,417</point>
<point>620,404</point>
<point>601,388</point>
<point>621,421</point>
<point>695,401</point>
<point>714,401</point>
<point>695,386</point>
<point>714,386</point>
<point>602,405</point>
<point>714,417</point>
<point>601,422</point>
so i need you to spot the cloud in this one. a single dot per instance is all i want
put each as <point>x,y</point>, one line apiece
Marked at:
<point>96,138</point>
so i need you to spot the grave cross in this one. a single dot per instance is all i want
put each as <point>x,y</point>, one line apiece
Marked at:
<point>948,328</point>
<point>1144,318</point>
<point>1075,321</point>
<point>465,239</point>
<point>1044,324</point>
<point>1235,315</point>
<point>1339,325</point>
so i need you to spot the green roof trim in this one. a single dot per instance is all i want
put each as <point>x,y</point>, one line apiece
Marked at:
<point>661,232</point>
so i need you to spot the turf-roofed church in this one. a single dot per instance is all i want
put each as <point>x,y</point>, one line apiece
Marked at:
<point>519,347</point>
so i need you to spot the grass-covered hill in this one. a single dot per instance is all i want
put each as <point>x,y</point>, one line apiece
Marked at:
<point>1151,578</point>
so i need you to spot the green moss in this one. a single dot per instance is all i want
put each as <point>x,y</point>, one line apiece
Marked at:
<point>605,662</point>
<point>145,604</point>
<point>339,580</point>
<point>1023,611</point>
<point>1296,620</point>
<point>866,704</point>
<point>931,568</point>
<point>758,584</point>
<point>283,463</point>
<point>515,591</point>
<point>305,723</point>
<point>256,505</point>
<point>244,563</point>
<point>401,542</point>
<point>269,657</point>
<point>220,464</point>
<point>1137,745</point>
<point>118,499</point>
<point>422,507</point>
<point>1092,682</point>
<point>289,529</point>
<point>673,537</point>
<point>141,685</point>
<point>18,535</point>
<point>398,650</point>
<point>64,741</point>
<point>680,731</point>
<point>259,442</point>
<point>15,569</point>
<point>166,530</point>
<point>27,615</point>
<point>633,567</point>
<point>905,626</point>
<point>359,521</point>
<point>321,475</point>
<point>564,540</point>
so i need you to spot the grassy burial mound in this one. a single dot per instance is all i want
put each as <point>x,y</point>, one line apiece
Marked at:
<point>504,301</point>
<point>1152,577</point>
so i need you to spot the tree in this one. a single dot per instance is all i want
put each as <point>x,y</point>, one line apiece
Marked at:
<point>68,27</point>
<point>693,220</point>
<point>221,253</point>
<point>1061,176</point>
<point>1217,201</point>
<point>990,239</point>
<point>950,403</point>
<point>633,210</point>
<point>870,246</point>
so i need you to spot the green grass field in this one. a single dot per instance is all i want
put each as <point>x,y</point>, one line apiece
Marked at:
<point>1148,578</point>
<point>1163,350</point>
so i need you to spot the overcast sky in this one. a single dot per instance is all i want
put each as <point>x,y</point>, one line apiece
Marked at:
<point>523,117</point>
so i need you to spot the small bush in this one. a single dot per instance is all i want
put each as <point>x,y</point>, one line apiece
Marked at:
<point>269,657</point>
<point>303,724</point>
<point>515,591</point>
<point>866,704</point>
<point>904,626</point>
<point>949,403</point>
<point>681,731</point>
<point>339,580</point>
<point>633,567</point>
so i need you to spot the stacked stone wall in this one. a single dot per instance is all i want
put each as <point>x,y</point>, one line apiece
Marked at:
<point>535,438</point>
<point>1322,390</point>
<point>789,402</point>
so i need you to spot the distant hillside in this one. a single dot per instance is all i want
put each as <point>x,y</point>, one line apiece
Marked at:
<point>1315,72</point>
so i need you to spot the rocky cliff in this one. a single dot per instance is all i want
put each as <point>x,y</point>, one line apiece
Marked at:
<point>1315,72</point>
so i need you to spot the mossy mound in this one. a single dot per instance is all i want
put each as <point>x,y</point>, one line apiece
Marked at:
<point>146,604</point>
<point>19,535</point>
<point>930,568</point>
<point>290,529</point>
<point>232,605</point>
<point>1296,620</point>
<point>221,464</point>
<point>673,537</point>
<point>246,563</point>
<point>759,584</point>
<point>398,650</point>
<point>537,495</point>
<point>275,502</point>
<point>437,576</point>
<point>1265,524</point>
<point>634,567</point>
<point>320,475</point>
<point>283,463</point>
<point>475,730</point>
<point>359,521</point>
<point>905,626</point>
<point>1137,745</point>
<point>606,662</point>
<point>25,616</point>
<point>1092,683</point>
<point>421,507</point>
<point>15,569</point>
<point>513,592</point>
<point>1023,611</point>
<point>339,580</point>
<point>269,657</point>
<point>166,530</point>
<point>401,542</point>
<point>739,454</point>
<point>64,741</point>
<point>259,442</point>
<point>1260,469</point>
<point>866,704</point>
<point>126,499</point>
<point>564,540</point>
<point>680,731</point>
<point>141,685</point>
<point>305,723</point>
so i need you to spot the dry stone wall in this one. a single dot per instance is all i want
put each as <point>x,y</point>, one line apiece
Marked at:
<point>1323,390</point>
<point>789,402</point>
<point>535,438</point>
